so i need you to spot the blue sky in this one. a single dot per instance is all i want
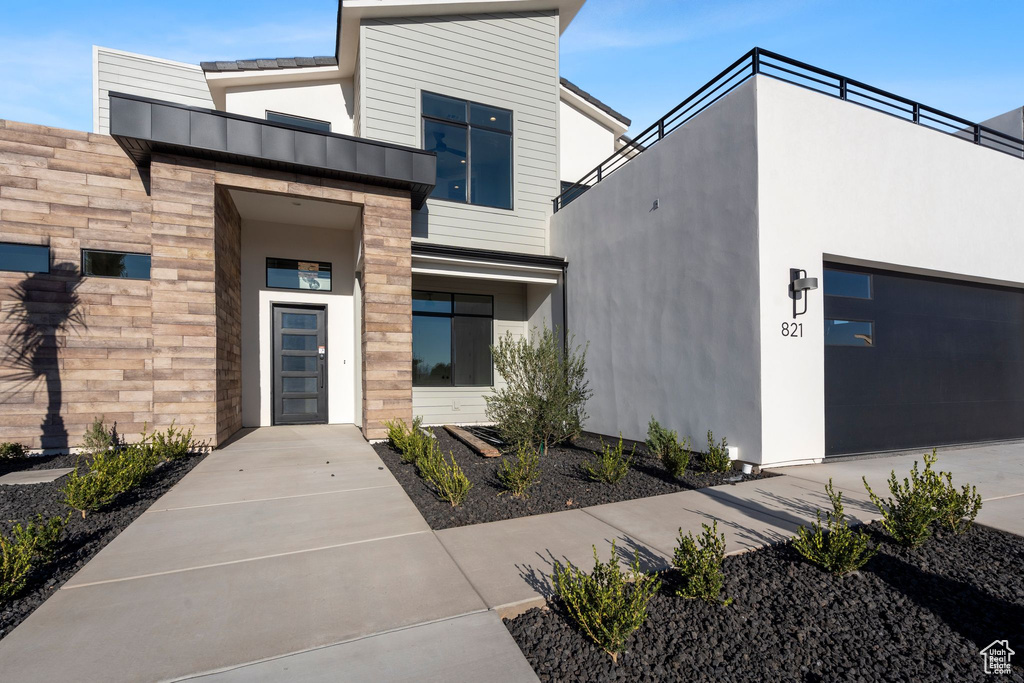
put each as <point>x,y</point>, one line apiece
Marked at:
<point>640,56</point>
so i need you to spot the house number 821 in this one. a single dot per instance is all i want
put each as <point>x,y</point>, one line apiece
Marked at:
<point>792,329</point>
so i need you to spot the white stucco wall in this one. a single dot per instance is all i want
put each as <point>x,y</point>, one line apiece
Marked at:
<point>583,143</point>
<point>667,297</point>
<point>260,240</point>
<point>323,100</point>
<point>841,182</point>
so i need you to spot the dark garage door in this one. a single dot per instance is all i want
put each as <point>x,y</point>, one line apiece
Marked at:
<point>916,362</point>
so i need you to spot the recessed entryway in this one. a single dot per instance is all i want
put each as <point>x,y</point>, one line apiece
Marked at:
<point>300,365</point>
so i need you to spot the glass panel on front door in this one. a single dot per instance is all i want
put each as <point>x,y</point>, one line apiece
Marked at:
<point>300,365</point>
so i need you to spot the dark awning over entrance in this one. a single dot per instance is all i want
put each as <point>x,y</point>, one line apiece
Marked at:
<point>142,126</point>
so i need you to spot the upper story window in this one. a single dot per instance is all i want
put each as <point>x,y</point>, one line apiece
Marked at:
<point>473,143</point>
<point>301,121</point>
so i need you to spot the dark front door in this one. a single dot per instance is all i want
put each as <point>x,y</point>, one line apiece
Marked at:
<point>916,362</point>
<point>300,365</point>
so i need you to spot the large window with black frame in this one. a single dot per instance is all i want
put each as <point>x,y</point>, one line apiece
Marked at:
<point>473,143</point>
<point>451,339</point>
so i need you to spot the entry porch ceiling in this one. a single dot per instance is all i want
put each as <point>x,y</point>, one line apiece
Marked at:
<point>295,211</point>
<point>144,126</point>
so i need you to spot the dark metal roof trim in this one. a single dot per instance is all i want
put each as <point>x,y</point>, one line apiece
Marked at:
<point>267,64</point>
<point>575,89</point>
<point>143,126</point>
<point>510,257</point>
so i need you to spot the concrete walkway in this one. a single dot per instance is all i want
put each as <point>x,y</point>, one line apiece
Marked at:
<point>509,562</point>
<point>291,548</point>
<point>294,554</point>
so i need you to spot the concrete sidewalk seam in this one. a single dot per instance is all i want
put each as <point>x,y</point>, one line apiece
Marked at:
<point>214,672</point>
<point>459,567</point>
<point>231,562</point>
<point>261,500</point>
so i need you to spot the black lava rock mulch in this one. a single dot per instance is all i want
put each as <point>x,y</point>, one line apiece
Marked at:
<point>908,615</point>
<point>563,483</point>
<point>83,538</point>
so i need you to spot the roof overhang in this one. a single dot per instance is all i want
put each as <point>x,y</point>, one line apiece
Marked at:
<point>484,264</point>
<point>618,126</point>
<point>144,126</point>
<point>352,12</point>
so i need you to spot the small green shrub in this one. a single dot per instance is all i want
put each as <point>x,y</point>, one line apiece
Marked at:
<point>517,477</point>
<point>699,564</point>
<point>9,450</point>
<point>28,547</point>
<point>17,555</point>
<point>611,464</point>
<point>957,509</point>
<point>909,512</point>
<point>545,393</point>
<point>607,605</point>
<point>428,459</point>
<point>110,474</point>
<point>837,548</point>
<point>449,481</point>
<point>171,444</point>
<point>716,459</point>
<point>665,445</point>
<point>659,439</point>
<point>97,438</point>
<point>406,441</point>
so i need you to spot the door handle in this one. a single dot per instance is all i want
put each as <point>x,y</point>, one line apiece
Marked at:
<point>321,365</point>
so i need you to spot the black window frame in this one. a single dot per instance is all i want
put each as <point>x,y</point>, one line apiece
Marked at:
<point>83,251</point>
<point>295,120</point>
<point>266,275</point>
<point>871,283</point>
<point>452,316</point>
<point>49,257</point>
<point>469,148</point>
<point>874,336</point>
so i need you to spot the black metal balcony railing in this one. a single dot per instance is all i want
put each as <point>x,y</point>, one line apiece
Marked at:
<point>766,63</point>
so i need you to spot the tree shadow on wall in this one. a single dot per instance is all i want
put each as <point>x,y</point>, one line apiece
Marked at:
<point>45,311</point>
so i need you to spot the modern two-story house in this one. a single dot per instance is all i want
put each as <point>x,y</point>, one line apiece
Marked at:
<point>804,264</point>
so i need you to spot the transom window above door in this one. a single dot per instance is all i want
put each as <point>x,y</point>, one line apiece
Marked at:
<point>473,143</point>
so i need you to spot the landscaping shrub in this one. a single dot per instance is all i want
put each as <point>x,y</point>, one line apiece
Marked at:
<point>109,475</point>
<point>606,605</point>
<point>665,445</point>
<point>9,450</point>
<point>406,441</point>
<point>170,444</point>
<point>449,481</point>
<point>27,548</point>
<point>911,509</point>
<point>542,403</point>
<point>428,458</point>
<point>611,464</point>
<point>517,477</point>
<point>700,565</point>
<point>97,438</point>
<point>836,549</point>
<point>957,509</point>
<point>716,459</point>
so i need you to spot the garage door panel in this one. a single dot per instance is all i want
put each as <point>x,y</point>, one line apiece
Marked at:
<point>946,366</point>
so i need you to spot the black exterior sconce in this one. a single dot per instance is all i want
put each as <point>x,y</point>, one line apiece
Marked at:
<point>799,283</point>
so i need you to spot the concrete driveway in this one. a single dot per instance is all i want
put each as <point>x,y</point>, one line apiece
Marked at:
<point>293,552</point>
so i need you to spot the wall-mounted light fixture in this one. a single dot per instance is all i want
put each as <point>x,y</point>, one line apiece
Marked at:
<point>799,284</point>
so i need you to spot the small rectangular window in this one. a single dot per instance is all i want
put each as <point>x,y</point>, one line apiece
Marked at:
<point>300,121</point>
<point>847,283</point>
<point>24,258</point>
<point>97,263</point>
<point>285,273</point>
<point>849,332</point>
